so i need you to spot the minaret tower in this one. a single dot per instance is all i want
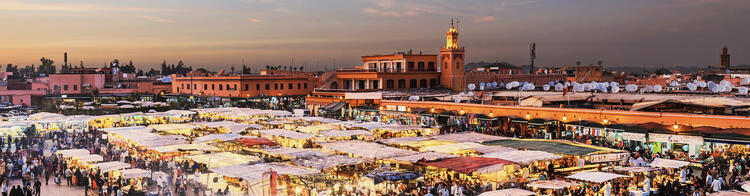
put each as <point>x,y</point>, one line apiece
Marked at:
<point>724,58</point>
<point>452,61</point>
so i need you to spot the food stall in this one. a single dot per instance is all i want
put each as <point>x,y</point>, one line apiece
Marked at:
<point>222,159</point>
<point>286,138</point>
<point>508,192</point>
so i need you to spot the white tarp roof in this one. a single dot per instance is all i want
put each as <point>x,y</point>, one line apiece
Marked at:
<point>398,140</point>
<point>345,133</point>
<point>215,137</point>
<point>222,159</point>
<point>143,136</point>
<point>668,163</point>
<point>90,158</point>
<point>451,148</point>
<point>316,119</point>
<point>327,161</point>
<point>492,149</point>
<point>73,152</point>
<point>170,127</point>
<point>254,173</point>
<point>468,137</point>
<point>508,192</point>
<point>367,149</point>
<point>285,133</point>
<point>232,127</point>
<point>135,173</point>
<point>428,156</point>
<point>551,184</point>
<point>292,152</point>
<point>523,156</point>
<point>317,128</point>
<point>185,147</point>
<point>595,176</point>
<point>112,165</point>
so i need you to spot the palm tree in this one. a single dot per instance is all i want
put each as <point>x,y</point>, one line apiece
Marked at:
<point>600,62</point>
<point>578,63</point>
<point>268,67</point>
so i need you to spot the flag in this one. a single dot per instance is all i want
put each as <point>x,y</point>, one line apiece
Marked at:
<point>566,90</point>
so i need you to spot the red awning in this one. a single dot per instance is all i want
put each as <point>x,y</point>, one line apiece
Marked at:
<point>466,164</point>
<point>255,141</point>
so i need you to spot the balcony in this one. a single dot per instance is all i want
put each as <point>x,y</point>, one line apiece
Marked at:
<point>350,70</point>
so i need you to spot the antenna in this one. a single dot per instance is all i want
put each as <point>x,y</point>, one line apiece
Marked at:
<point>533,56</point>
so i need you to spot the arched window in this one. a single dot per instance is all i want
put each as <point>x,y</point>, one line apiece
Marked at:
<point>401,83</point>
<point>334,85</point>
<point>389,84</point>
<point>413,83</point>
<point>423,83</point>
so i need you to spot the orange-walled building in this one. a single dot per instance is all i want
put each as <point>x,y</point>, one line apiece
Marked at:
<point>244,85</point>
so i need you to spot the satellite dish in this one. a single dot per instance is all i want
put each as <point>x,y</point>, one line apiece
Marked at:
<point>578,88</point>
<point>724,82</point>
<point>481,88</point>
<point>602,88</point>
<point>649,88</point>
<point>461,94</point>
<point>614,84</point>
<point>742,90</point>
<point>494,84</point>
<point>559,87</point>
<point>457,99</point>
<point>551,83</point>
<point>530,86</point>
<point>509,86</point>
<point>586,87</point>
<point>726,88</point>
<point>501,84</point>
<point>615,89</point>
<point>482,84</point>
<point>657,88</point>
<point>745,81</point>
<point>471,86</point>
<point>545,87</point>
<point>674,83</point>
<point>471,93</point>
<point>604,84</point>
<point>631,87</point>
<point>414,98</point>
<point>692,86</point>
<point>701,84</point>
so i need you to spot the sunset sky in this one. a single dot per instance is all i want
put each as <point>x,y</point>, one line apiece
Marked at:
<point>216,34</point>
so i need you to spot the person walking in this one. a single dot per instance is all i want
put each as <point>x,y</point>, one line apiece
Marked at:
<point>37,188</point>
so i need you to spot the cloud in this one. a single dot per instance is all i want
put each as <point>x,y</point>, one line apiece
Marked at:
<point>255,20</point>
<point>23,6</point>
<point>281,10</point>
<point>485,19</point>
<point>158,19</point>
<point>394,9</point>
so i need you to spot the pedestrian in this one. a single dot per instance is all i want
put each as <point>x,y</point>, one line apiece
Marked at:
<point>37,187</point>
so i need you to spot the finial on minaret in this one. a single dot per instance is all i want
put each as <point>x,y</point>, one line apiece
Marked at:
<point>451,22</point>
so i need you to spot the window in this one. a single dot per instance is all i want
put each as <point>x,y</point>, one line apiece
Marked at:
<point>410,65</point>
<point>401,83</point>
<point>65,87</point>
<point>195,86</point>
<point>430,65</point>
<point>398,66</point>
<point>389,84</point>
<point>422,83</point>
<point>420,65</point>
<point>220,86</point>
<point>291,86</point>
<point>247,87</point>
<point>228,87</point>
<point>446,66</point>
<point>178,89</point>
<point>457,65</point>
<point>299,85</point>
<point>305,85</point>
<point>257,87</point>
<point>268,86</point>
<point>433,83</point>
<point>75,87</point>
<point>205,87</point>
<point>282,86</point>
<point>276,86</point>
<point>213,87</point>
<point>182,85</point>
<point>56,88</point>
<point>235,87</point>
<point>413,83</point>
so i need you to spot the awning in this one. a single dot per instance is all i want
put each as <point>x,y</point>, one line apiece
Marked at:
<point>595,176</point>
<point>333,106</point>
<point>551,184</point>
<point>508,192</point>
<point>222,159</point>
<point>667,163</point>
<point>255,141</point>
<point>468,164</point>
<point>634,169</point>
<point>112,165</point>
<point>135,173</point>
<point>524,157</point>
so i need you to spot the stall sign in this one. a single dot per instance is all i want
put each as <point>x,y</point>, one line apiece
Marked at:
<point>391,107</point>
<point>686,139</point>
<point>655,137</point>
<point>633,136</point>
<point>608,157</point>
<point>401,108</point>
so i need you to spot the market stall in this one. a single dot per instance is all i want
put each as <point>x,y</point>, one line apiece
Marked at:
<point>667,163</point>
<point>286,138</point>
<point>366,149</point>
<point>508,192</point>
<point>422,157</point>
<point>217,137</point>
<point>111,166</point>
<point>222,159</point>
<point>523,157</point>
<point>595,176</point>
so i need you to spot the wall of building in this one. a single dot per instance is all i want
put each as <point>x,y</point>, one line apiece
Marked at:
<point>244,86</point>
<point>539,79</point>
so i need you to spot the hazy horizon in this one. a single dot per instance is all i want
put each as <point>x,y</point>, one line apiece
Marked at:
<point>216,35</point>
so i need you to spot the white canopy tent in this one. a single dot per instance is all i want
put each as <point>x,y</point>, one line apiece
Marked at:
<point>111,166</point>
<point>184,147</point>
<point>345,133</point>
<point>292,152</point>
<point>595,176</point>
<point>217,137</point>
<point>524,156</point>
<point>366,149</point>
<point>89,158</point>
<point>668,163</point>
<point>468,137</point>
<point>551,184</point>
<point>428,156</point>
<point>327,161</point>
<point>135,173</point>
<point>73,152</point>
<point>222,159</point>
<point>508,192</point>
<point>284,133</point>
